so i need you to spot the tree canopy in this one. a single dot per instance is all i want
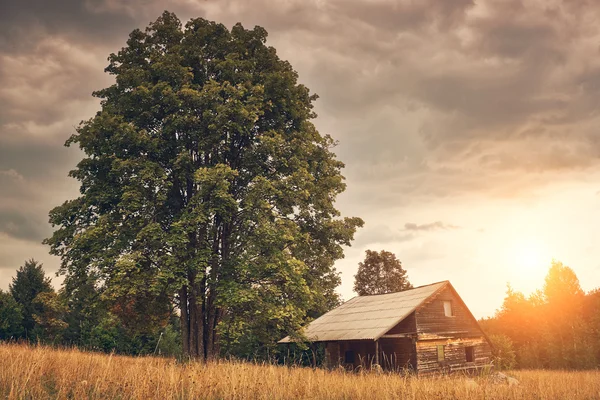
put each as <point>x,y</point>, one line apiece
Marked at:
<point>380,272</point>
<point>556,327</point>
<point>205,185</point>
<point>11,318</point>
<point>29,282</point>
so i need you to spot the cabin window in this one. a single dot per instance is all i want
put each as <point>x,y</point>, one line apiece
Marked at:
<point>440,353</point>
<point>470,353</point>
<point>448,309</point>
<point>349,357</point>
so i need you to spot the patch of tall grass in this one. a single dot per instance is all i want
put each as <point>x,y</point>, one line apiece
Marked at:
<point>37,372</point>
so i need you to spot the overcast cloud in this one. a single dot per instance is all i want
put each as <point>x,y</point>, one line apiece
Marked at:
<point>454,113</point>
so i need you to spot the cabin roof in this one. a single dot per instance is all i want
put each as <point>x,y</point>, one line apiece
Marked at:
<point>367,317</point>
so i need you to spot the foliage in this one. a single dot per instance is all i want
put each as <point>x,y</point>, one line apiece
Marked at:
<point>11,318</point>
<point>50,314</point>
<point>556,327</point>
<point>85,309</point>
<point>205,185</point>
<point>503,352</point>
<point>29,282</point>
<point>169,344</point>
<point>380,272</point>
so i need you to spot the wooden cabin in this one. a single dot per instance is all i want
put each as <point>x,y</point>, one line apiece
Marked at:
<point>427,329</point>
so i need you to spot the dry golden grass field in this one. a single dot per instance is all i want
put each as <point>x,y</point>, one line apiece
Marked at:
<point>40,373</point>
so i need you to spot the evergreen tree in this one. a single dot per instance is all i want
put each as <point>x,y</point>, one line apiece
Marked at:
<point>29,282</point>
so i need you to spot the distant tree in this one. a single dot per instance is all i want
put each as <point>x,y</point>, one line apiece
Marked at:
<point>380,272</point>
<point>205,183</point>
<point>556,327</point>
<point>503,352</point>
<point>50,313</point>
<point>29,282</point>
<point>11,318</point>
<point>561,287</point>
<point>85,309</point>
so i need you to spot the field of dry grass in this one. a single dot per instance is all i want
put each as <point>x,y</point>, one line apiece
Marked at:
<point>39,373</point>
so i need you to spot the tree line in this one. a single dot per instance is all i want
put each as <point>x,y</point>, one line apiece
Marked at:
<point>34,311</point>
<point>557,326</point>
<point>84,317</point>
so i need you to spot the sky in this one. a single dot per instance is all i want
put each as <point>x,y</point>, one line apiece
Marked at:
<point>469,129</point>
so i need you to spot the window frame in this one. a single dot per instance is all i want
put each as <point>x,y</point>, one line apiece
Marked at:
<point>441,352</point>
<point>450,308</point>
<point>470,350</point>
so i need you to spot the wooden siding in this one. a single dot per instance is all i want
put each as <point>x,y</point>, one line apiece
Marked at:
<point>397,354</point>
<point>431,322</point>
<point>407,325</point>
<point>413,342</point>
<point>364,353</point>
<point>455,333</point>
<point>455,355</point>
<point>394,354</point>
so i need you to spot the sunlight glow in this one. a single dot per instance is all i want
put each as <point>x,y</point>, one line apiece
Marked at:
<point>531,259</point>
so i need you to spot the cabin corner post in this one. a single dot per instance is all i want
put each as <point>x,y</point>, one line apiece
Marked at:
<point>377,351</point>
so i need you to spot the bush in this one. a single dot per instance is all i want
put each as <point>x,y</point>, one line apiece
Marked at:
<point>503,352</point>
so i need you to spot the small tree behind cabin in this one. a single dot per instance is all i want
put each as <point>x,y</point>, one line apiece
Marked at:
<point>205,185</point>
<point>380,273</point>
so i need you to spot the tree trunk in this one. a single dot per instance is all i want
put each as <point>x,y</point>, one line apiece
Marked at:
<point>185,322</point>
<point>192,324</point>
<point>209,326</point>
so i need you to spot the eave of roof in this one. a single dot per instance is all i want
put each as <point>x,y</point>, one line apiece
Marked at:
<point>368,317</point>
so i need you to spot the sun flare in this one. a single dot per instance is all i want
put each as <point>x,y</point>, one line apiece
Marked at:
<point>531,257</point>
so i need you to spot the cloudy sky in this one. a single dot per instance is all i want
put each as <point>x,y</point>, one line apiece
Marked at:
<point>469,128</point>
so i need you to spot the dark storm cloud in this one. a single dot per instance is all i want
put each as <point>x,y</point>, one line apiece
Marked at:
<point>398,16</point>
<point>22,225</point>
<point>36,160</point>
<point>23,23</point>
<point>428,98</point>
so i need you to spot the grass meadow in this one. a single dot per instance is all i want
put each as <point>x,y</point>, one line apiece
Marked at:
<point>37,372</point>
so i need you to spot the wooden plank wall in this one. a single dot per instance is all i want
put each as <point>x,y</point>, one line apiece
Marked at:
<point>407,325</point>
<point>454,333</point>
<point>364,353</point>
<point>455,355</point>
<point>395,354</point>
<point>431,321</point>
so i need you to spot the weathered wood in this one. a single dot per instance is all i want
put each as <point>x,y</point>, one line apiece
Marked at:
<point>332,354</point>
<point>399,335</point>
<point>430,317</point>
<point>407,325</point>
<point>413,342</point>
<point>454,332</point>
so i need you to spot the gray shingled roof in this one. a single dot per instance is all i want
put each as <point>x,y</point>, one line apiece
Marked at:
<point>367,317</point>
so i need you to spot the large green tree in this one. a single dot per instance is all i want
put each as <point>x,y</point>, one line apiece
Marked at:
<point>205,183</point>
<point>380,272</point>
<point>29,282</point>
